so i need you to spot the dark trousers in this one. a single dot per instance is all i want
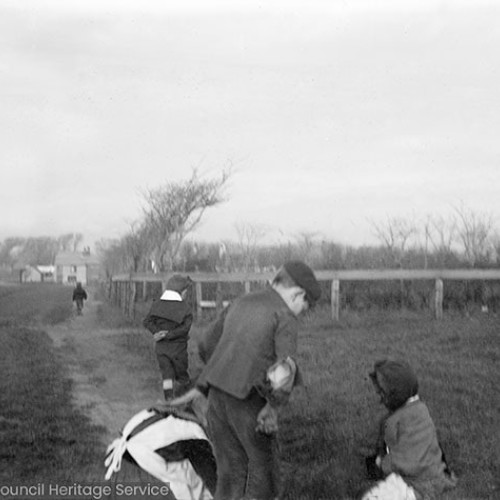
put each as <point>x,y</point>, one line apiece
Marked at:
<point>245,457</point>
<point>173,360</point>
<point>79,305</point>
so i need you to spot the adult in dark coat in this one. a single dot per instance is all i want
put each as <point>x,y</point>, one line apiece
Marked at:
<point>249,374</point>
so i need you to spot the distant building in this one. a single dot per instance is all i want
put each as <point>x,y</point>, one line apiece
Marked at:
<point>37,274</point>
<point>73,267</point>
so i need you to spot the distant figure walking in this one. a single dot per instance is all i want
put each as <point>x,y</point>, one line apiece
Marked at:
<point>79,295</point>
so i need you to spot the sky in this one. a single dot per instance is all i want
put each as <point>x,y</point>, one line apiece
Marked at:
<point>334,114</point>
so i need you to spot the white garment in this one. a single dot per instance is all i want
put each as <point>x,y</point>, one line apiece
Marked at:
<point>180,476</point>
<point>171,295</point>
<point>282,374</point>
<point>392,487</point>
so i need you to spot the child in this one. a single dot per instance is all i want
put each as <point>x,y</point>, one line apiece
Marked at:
<point>408,453</point>
<point>79,295</point>
<point>169,320</point>
<point>171,445</point>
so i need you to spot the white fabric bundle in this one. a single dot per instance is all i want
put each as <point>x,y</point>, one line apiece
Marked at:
<point>392,487</point>
<point>180,475</point>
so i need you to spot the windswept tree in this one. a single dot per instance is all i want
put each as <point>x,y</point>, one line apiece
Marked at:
<point>174,210</point>
<point>135,248</point>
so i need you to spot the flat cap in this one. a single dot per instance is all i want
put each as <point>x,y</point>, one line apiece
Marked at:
<point>303,276</point>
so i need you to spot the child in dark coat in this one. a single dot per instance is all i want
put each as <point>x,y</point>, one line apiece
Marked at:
<point>169,320</point>
<point>408,457</point>
<point>79,295</point>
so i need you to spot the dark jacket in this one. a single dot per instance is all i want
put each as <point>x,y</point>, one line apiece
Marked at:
<point>409,435</point>
<point>79,293</point>
<point>175,317</point>
<point>258,330</point>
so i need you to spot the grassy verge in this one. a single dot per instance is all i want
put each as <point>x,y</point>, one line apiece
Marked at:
<point>40,303</point>
<point>43,436</point>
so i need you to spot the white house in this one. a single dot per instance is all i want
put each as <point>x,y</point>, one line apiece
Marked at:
<point>73,267</point>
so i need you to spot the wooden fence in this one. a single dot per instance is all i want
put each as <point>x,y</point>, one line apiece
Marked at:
<point>123,288</point>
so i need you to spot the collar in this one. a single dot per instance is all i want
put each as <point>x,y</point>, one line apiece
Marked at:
<point>171,295</point>
<point>412,399</point>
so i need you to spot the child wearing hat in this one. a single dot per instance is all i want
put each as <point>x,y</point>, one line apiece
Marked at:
<point>169,320</point>
<point>408,459</point>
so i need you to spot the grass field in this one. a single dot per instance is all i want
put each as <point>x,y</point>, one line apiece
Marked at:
<point>328,426</point>
<point>43,436</point>
<point>331,423</point>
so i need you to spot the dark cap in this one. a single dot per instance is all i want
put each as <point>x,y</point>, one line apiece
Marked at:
<point>303,276</point>
<point>178,283</point>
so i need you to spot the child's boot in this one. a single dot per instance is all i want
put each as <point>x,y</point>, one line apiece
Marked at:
<point>168,389</point>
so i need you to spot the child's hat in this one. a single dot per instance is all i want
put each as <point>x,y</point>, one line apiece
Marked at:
<point>399,380</point>
<point>178,283</point>
<point>303,276</point>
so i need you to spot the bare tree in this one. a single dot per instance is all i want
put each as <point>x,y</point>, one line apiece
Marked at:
<point>249,236</point>
<point>135,247</point>
<point>174,210</point>
<point>439,235</point>
<point>308,247</point>
<point>395,235</point>
<point>474,230</point>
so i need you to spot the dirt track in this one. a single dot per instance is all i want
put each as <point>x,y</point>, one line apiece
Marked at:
<point>110,383</point>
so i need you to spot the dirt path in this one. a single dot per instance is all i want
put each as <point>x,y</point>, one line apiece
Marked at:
<point>111,384</point>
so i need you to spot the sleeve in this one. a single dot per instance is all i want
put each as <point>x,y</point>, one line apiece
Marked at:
<point>210,338</point>
<point>282,376</point>
<point>149,322</point>
<point>182,330</point>
<point>380,446</point>
<point>390,435</point>
<point>285,337</point>
<point>404,448</point>
<point>207,346</point>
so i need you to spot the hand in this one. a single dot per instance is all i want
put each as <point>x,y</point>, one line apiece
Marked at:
<point>267,420</point>
<point>378,461</point>
<point>160,335</point>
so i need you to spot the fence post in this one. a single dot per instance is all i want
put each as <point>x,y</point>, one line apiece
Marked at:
<point>198,298</point>
<point>132,298</point>
<point>218,297</point>
<point>438,299</point>
<point>247,286</point>
<point>335,299</point>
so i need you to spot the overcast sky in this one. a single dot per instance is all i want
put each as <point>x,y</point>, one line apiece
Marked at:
<point>333,113</point>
